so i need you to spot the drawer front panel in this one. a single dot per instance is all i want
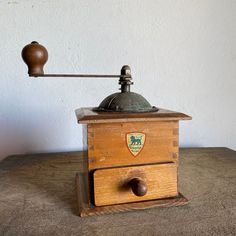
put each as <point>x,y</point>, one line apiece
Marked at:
<point>123,144</point>
<point>112,186</point>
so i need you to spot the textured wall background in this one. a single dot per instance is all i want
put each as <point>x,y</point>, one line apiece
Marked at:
<point>182,55</point>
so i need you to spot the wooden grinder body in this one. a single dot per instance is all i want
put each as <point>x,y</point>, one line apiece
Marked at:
<point>121,173</point>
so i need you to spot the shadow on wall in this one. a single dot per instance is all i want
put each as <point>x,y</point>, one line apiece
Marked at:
<point>36,129</point>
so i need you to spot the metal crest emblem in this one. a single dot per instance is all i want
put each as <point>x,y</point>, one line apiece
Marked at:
<point>135,142</point>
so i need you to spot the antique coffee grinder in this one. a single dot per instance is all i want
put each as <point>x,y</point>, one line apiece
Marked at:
<point>132,148</point>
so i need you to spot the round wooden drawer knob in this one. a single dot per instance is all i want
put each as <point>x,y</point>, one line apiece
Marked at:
<point>138,186</point>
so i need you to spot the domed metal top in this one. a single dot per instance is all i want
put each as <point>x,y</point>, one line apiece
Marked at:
<point>125,101</point>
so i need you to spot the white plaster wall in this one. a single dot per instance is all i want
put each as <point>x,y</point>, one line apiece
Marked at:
<point>182,55</point>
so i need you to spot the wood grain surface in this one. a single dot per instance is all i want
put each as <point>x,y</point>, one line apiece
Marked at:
<point>38,197</point>
<point>107,145</point>
<point>87,209</point>
<point>87,115</point>
<point>111,186</point>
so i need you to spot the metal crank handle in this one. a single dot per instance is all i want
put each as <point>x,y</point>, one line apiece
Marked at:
<point>35,56</point>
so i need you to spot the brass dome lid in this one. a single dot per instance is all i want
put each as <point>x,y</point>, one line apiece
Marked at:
<point>125,101</point>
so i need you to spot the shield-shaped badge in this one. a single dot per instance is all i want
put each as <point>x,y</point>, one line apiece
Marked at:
<point>135,142</point>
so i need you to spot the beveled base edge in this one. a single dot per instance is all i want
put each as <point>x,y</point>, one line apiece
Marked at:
<point>87,209</point>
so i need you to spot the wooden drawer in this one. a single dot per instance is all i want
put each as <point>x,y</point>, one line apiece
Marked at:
<point>112,186</point>
<point>108,143</point>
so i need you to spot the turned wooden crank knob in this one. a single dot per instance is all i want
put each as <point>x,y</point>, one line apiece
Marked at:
<point>138,186</point>
<point>35,56</point>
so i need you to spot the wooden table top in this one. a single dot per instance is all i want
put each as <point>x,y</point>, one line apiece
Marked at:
<point>38,197</point>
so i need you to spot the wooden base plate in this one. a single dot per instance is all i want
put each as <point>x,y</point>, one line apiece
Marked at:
<point>88,209</point>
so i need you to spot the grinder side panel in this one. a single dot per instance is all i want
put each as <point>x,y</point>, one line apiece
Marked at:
<point>132,143</point>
